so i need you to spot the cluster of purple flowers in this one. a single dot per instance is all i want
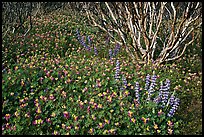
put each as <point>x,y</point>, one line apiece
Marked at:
<point>89,40</point>
<point>165,93</point>
<point>95,51</point>
<point>147,82</point>
<point>159,97</point>
<point>107,40</point>
<point>174,107</point>
<point>151,87</point>
<point>110,54</point>
<point>171,100</point>
<point>137,89</point>
<point>116,50</point>
<point>81,40</point>
<point>117,71</point>
<point>124,86</point>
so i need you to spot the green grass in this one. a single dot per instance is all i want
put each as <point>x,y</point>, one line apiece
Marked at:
<point>50,62</point>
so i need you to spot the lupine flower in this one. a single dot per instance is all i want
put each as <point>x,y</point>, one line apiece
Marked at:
<point>159,97</point>
<point>116,50</point>
<point>95,51</point>
<point>171,100</point>
<point>165,92</point>
<point>124,83</point>
<point>152,85</point>
<point>117,71</point>
<point>174,108</point>
<point>110,54</point>
<point>89,40</point>
<point>107,40</point>
<point>84,44</point>
<point>78,35</point>
<point>147,83</point>
<point>137,89</point>
<point>81,40</point>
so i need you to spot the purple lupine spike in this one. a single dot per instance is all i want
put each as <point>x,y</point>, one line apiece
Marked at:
<point>95,51</point>
<point>116,50</point>
<point>152,85</point>
<point>171,100</point>
<point>147,82</point>
<point>137,89</point>
<point>107,40</point>
<point>159,97</point>
<point>124,83</point>
<point>110,54</point>
<point>165,93</point>
<point>81,40</point>
<point>89,40</point>
<point>78,35</point>
<point>117,71</point>
<point>174,107</point>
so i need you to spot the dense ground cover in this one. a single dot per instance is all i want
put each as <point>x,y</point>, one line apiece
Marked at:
<point>53,83</point>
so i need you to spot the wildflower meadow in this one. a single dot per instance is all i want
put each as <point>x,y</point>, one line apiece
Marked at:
<point>66,78</point>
